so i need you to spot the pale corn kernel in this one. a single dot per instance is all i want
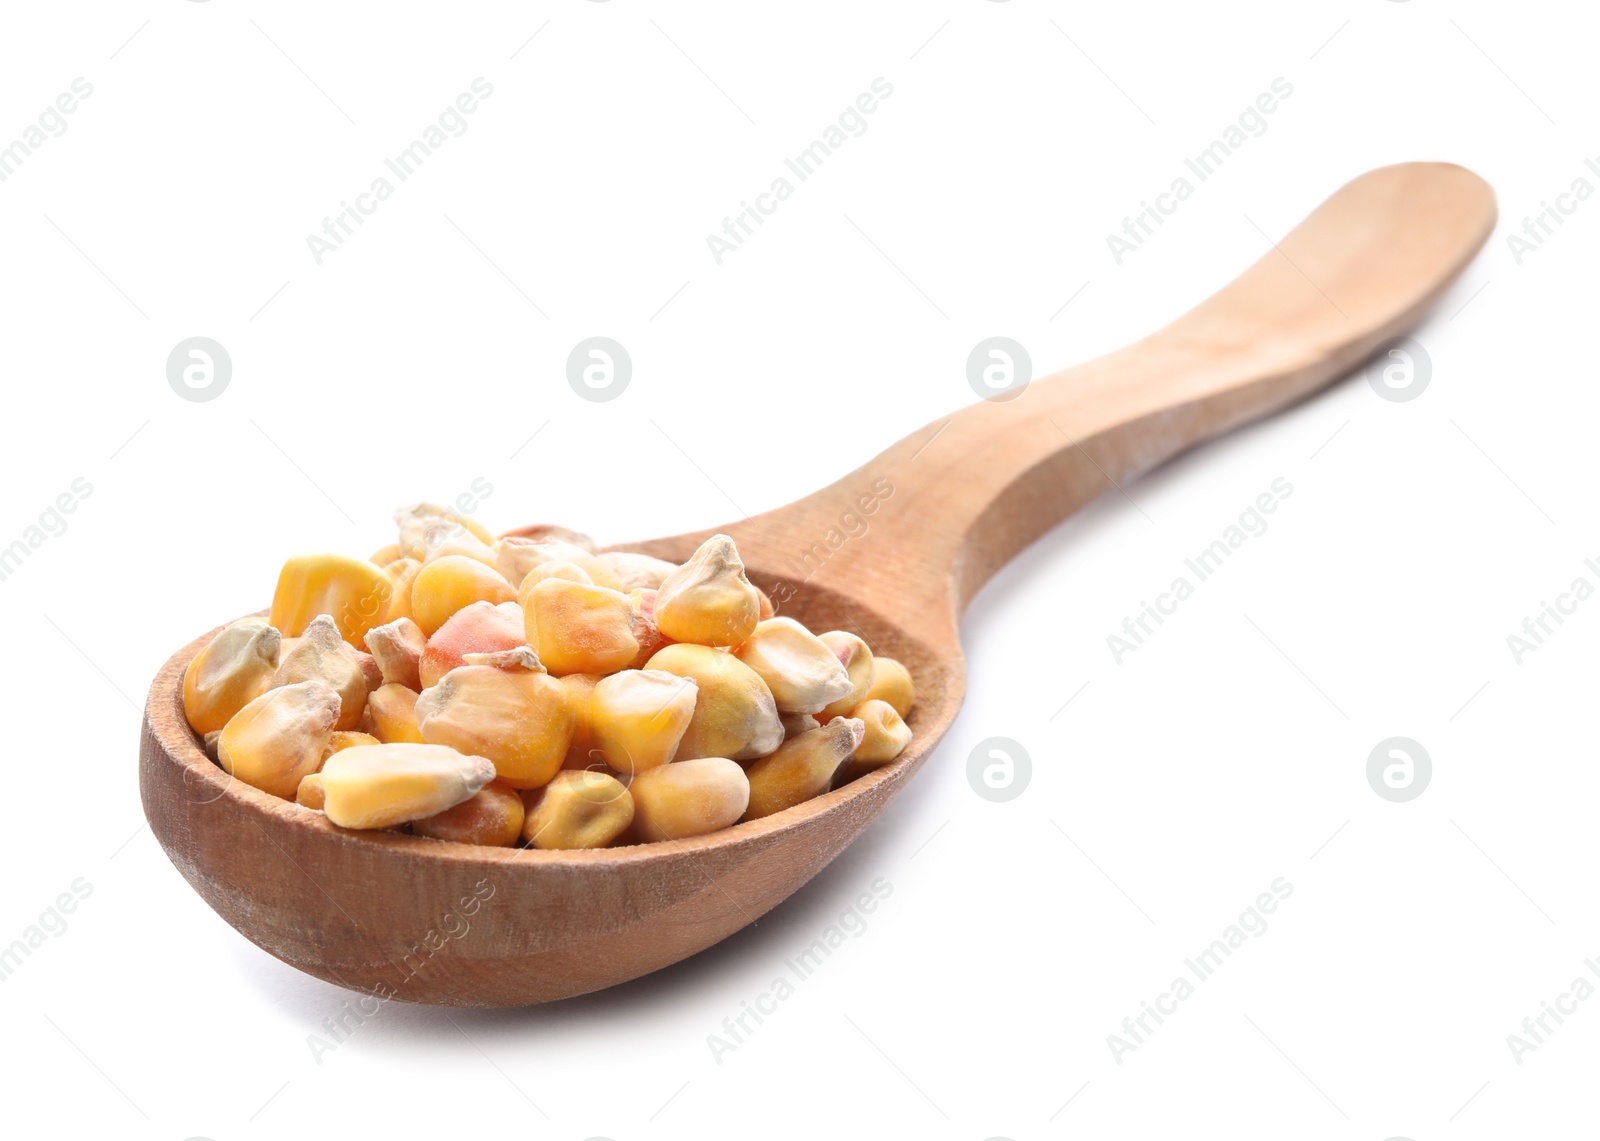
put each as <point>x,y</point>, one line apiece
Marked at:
<point>803,767</point>
<point>465,543</point>
<point>321,654</point>
<point>577,628</point>
<point>645,630</point>
<point>392,714</point>
<point>277,740</point>
<point>232,670</point>
<point>637,718</point>
<point>551,531</point>
<point>493,817</point>
<point>577,810</point>
<point>371,671</point>
<point>795,724</point>
<point>572,572</point>
<point>800,669</point>
<point>210,742</point>
<point>402,575</point>
<point>891,682</point>
<point>517,558</point>
<point>708,600</point>
<point>398,647</point>
<point>688,798</point>
<point>767,609</point>
<point>310,793</point>
<point>857,660</point>
<point>425,526</point>
<point>385,555</point>
<point>510,711</point>
<point>344,739</point>
<point>734,714</point>
<point>482,628</point>
<point>581,751</point>
<point>635,571</point>
<point>354,592</point>
<point>886,735</point>
<point>379,786</point>
<point>446,585</point>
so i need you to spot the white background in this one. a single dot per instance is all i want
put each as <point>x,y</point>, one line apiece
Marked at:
<point>1228,751</point>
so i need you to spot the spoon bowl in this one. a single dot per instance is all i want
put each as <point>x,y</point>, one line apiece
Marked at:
<point>893,552</point>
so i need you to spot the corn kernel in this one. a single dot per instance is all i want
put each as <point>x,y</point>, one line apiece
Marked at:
<point>321,654</point>
<point>355,593</point>
<point>310,793</point>
<point>277,739</point>
<point>803,767</point>
<point>579,629</point>
<point>551,531</point>
<point>402,577</point>
<point>464,543</point>
<point>645,630</point>
<point>518,558</point>
<point>385,555</point>
<point>482,628</point>
<point>637,718</point>
<point>857,659</point>
<point>581,752</point>
<point>577,810</point>
<point>734,714</point>
<point>398,647</point>
<point>688,798</point>
<point>635,571</point>
<point>445,585</point>
<point>392,713</point>
<point>800,669</point>
<point>493,817</point>
<point>343,739</point>
<point>379,786</point>
<point>510,711</point>
<point>891,682</point>
<point>426,526</point>
<point>231,671</point>
<point>795,724</point>
<point>886,735</point>
<point>708,600</point>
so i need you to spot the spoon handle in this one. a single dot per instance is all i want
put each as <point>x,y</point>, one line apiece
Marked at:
<point>953,502</point>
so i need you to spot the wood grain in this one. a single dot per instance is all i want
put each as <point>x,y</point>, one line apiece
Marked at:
<point>429,921</point>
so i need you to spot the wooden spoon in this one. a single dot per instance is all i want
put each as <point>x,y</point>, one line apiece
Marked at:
<point>894,551</point>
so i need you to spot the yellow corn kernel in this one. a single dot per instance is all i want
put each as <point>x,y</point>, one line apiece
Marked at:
<point>379,786</point>
<point>802,767</point>
<point>734,714</point>
<point>426,526</point>
<point>857,659</point>
<point>492,817</point>
<point>800,669</point>
<point>402,575</point>
<point>231,671</point>
<point>891,682</point>
<point>645,630</point>
<point>708,600</point>
<point>463,542</point>
<point>517,558</point>
<point>886,735</point>
<point>635,571</point>
<point>398,647</point>
<point>385,555</point>
<point>503,706</point>
<point>577,810</point>
<point>310,793</point>
<point>581,752</point>
<point>795,724</point>
<point>342,739</point>
<point>767,609</point>
<point>637,718</point>
<point>278,739</point>
<point>392,712</point>
<point>572,572</point>
<point>445,585</point>
<point>320,654</point>
<point>579,629</point>
<point>354,593</point>
<point>481,628</point>
<point>688,798</point>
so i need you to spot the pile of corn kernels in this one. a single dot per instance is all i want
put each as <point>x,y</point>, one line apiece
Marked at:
<point>528,690</point>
